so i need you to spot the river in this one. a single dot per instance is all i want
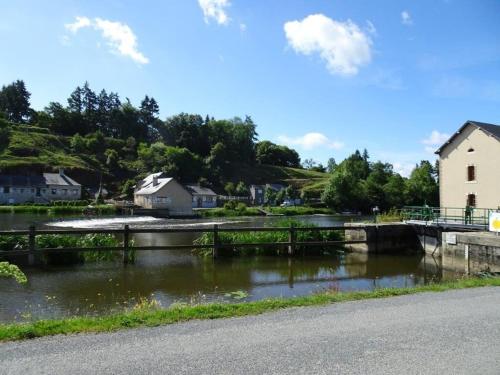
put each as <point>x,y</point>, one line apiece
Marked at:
<point>179,276</point>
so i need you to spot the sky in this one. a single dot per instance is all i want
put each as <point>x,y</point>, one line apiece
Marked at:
<point>325,77</point>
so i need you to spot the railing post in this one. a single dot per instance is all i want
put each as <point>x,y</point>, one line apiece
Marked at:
<point>291,239</point>
<point>126,235</point>
<point>31,245</point>
<point>215,253</point>
<point>31,238</point>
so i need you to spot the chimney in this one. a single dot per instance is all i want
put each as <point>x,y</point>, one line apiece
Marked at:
<point>155,180</point>
<point>61,171</point>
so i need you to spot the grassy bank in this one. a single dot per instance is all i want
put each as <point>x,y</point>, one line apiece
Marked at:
<point>53,210</point>
<point>150,314</point>
<point>253,211</point>
<point>269,237</point>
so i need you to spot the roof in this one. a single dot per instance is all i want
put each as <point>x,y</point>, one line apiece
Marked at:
<point>490,129</point>
<point>199,190</point>
<point>148,188</point>
<point>37,180</point>
<point>59,179</point>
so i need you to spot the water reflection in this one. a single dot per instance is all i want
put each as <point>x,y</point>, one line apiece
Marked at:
<point>172,276</point>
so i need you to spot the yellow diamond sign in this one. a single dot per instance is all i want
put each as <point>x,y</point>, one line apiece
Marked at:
<point>495,222</point>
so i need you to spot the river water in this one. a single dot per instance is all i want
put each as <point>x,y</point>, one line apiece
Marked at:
<point>179,276</point>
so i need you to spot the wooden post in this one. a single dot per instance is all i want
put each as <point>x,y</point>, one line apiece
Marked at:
<point>291,239</point>
<point>126,235</point>
<point>31,238</point>
<point>31,245</point>
<point>215,253</point>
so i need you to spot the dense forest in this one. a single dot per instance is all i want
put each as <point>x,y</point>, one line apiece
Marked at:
<point>109,136</point>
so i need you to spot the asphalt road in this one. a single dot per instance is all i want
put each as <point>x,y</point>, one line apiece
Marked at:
<point>456,332</point>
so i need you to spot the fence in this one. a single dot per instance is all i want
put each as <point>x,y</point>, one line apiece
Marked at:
<point>216,245</point>
<point>448,215</point>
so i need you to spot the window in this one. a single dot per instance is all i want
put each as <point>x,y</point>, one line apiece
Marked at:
<point>64,191</point>
<point>194,199</point>
<point>471,200</point>
<point>53,191</point>
<point>75,191</point>
<point>21,190</point>
<point>6,189</point>
<point>470,150</point>
<point>471,173</point>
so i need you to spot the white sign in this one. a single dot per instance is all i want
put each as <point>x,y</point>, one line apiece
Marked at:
<point>451,238</point>
<point>495,222</point>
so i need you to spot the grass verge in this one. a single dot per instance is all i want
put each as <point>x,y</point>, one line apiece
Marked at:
<point>149,316</point>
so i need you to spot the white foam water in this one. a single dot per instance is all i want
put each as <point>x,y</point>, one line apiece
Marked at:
<point>99,223</point>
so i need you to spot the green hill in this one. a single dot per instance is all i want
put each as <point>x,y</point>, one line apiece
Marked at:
<point>29,149</point>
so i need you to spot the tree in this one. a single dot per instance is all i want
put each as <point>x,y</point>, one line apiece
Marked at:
<point>422,187</point>
<point>309,163</point>
<point>345,191</point>
<point>331,165</point>
<point>230,189</point>
<point>148,117</point>
<point>77,144</point>
<point>272,154</point>
<point>111,158</point>
<point>270,195</point>
<point>395,191</point>
<point>15,102</point>
<point>242,190</point>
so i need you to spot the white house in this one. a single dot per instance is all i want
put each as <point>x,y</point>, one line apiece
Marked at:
<point>469,167</point>
<point>159,192</point>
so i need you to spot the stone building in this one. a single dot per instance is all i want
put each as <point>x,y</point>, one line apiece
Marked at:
<point>469,167</point>
<point>163,193</point>
<point>43,188</point>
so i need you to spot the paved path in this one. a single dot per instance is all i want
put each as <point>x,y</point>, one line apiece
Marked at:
<point>456,332</point>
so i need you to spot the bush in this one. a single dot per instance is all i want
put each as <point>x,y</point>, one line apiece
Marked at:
<point>230,205</point>
<point>241,207</point>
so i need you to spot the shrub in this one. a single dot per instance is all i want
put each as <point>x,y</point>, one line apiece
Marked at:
<point>11,270</point>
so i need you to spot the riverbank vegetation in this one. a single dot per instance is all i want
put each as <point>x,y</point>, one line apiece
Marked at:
<point>12,271</point>
<point>46,241</point>
<point>151,314</point>
<point>269,240</point>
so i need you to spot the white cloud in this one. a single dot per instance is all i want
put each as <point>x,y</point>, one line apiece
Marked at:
<point>79,23</point>
<point>404,169</point>
<point>435,140</point>
<point>310,141</point>
<point>342,45</point>
<point>406,18</point>
<point>370,27</point>
<point>216,10</point>
<point>119,36</point>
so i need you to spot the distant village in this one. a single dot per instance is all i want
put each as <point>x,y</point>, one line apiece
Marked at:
<point>157,192</point>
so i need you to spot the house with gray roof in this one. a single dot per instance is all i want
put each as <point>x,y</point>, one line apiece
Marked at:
<point>44,188</point>
<point>469,167</point>
<point>203,197</point>
<point>158,192</point>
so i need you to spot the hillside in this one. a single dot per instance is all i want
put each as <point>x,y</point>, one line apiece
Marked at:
<point>32,149</point>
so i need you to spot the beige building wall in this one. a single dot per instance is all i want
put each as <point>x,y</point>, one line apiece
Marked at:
<point>173,196</point>
<point>454,160</point>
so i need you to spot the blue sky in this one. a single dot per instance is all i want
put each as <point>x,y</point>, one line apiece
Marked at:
<point>323,76</point>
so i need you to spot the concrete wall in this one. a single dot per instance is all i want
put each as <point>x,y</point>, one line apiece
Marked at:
<point>382,238</point>
<point>453,163</point>
<point>471,252</point>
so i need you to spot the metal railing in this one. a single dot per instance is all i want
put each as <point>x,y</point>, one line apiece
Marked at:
<point>448,215</point>
<point>127,247</point>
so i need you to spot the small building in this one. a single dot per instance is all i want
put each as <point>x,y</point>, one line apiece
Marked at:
<point>165,193</point>
<point>203,197</point>
<point>44,188</point>
<point>258,192</point>
<point>469,167</point>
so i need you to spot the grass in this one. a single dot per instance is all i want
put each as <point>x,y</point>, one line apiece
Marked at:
<point>150,315</point>
<point>253,211</point>
<point>273,237</point>
<point>225,212</point>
